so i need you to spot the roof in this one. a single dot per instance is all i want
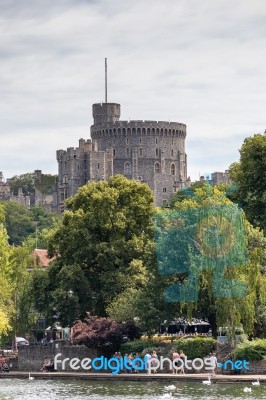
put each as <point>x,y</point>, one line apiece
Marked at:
<point>42,259</point>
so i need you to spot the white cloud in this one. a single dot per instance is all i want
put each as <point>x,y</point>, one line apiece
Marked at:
<point>200,63</point>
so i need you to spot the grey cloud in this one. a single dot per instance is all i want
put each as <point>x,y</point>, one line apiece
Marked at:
<point>200,63</point>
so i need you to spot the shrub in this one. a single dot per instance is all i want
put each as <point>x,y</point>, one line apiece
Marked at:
<point>193,348</point>
<point>251,350</point>
<point>137,346</point>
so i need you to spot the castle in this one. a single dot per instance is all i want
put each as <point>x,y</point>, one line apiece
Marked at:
<point>151,152</point>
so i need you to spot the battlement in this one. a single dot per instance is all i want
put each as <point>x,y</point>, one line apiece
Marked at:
<point>139,128</point>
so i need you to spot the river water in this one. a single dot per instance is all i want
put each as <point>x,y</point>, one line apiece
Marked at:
<point>18,389</point>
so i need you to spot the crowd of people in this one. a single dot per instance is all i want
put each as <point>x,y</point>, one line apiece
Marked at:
<point>151,360</point>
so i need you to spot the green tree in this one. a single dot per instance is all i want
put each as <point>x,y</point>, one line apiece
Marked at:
<point>15,299</point>
<point>107,232</point>
<point>23,181</point>
<point>250,176</point>
<point>6,293</point>
<point>230,312</point>
<point>19,222</point>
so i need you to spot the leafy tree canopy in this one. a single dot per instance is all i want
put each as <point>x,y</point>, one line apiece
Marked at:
<point>19,222</point>
<point>250,176</point>
<point>23,181</point>
<point>107,232</point>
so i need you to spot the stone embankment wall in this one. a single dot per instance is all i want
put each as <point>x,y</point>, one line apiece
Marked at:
<point>31,358</point>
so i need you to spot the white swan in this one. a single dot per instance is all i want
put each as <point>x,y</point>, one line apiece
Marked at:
<point>30,377</point>
<point>170,388</point>
<point>256,383</point>
<point>247,390</point>
<point>167,396</point>
<point>208,382</point>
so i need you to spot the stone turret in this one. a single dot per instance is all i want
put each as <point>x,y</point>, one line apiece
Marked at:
<point>105,113</point>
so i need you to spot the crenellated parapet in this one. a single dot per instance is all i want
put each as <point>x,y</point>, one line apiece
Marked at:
<point>139,128</point>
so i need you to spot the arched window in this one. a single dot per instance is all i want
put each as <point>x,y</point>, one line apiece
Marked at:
<point>127,168</point>
<point>140,151</point>
<point>173,169</point>
<point>157,152</point>
<point>127,152</point>
<point>157,168</point>
<point>172,153</point>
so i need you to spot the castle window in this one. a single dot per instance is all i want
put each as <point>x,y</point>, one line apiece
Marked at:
<point>164,190</point>
<point>156,141</point>
<point>113,152</point>
<point>157,152</point>
<point>140,151</point>
<point>127,152</point>
<point>172,153</point>
<point>127,168</point>
<point>98,165</point>
<point>157,168</point>
<point>127,140</point>
<point>78,166</point>
<point>140,140</point>
<point>172,141</point>
<point>173,169</point>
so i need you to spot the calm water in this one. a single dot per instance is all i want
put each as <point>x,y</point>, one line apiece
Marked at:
<point>80,390</point>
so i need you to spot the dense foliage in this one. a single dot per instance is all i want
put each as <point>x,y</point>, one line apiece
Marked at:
<point>251,350</point>
<point>24,182</point>
<point>250,176</point>
<point>14,282</point>
<point>103,334</point>
<point>193,348</point>
<point>117,254</point>
<point>106,233</point>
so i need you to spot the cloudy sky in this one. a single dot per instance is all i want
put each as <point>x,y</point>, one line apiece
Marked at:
<point>202,63</point>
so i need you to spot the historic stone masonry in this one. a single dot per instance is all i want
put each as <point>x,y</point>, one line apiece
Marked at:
<point>149,151</point>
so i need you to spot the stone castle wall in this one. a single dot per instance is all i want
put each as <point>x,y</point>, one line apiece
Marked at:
<point>152,152</point>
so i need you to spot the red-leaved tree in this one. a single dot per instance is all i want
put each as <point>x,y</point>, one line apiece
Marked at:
<point>103,334</point>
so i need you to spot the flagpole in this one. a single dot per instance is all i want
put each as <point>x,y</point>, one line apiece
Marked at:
<point>106,80</point>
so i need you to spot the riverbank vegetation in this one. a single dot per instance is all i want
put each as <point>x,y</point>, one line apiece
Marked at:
<point>122,258</point>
